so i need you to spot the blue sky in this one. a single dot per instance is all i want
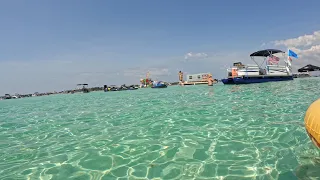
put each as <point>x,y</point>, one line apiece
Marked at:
<point>53,45</point>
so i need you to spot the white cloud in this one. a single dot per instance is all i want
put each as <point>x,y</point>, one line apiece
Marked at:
<point>307,47</point>
<point>301,41</point>
<point>309,56</point>
<point>191,55</point>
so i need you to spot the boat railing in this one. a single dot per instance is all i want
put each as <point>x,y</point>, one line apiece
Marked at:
<point>278,66</point>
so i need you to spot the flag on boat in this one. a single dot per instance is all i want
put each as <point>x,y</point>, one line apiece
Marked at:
<point>291,54</point>
<point>273,59</point>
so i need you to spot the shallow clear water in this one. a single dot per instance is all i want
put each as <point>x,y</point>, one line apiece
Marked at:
<point>251,131</point>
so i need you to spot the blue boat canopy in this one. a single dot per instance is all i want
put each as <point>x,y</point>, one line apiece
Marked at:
<point>266,52</point>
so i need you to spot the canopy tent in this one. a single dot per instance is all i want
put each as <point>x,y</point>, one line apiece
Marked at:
<point>266,52</point>
<point>308,68</point>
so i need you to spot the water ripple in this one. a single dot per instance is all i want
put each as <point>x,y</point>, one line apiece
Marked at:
<point>252,131</point>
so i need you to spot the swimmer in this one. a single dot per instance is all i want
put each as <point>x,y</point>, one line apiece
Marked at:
<point>210,80</point>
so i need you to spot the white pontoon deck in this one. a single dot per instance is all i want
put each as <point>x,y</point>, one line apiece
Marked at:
<point>256,70</point>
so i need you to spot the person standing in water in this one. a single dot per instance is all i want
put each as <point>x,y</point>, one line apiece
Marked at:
<point>181,78</point>
<point>210,80</point>
<point>142,83</point>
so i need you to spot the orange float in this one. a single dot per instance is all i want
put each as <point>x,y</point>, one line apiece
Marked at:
<point>312,122</point>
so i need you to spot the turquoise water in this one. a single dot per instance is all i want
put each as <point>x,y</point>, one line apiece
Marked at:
<point>194,132</point>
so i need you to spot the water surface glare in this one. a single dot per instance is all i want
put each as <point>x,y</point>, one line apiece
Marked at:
<point>251,131</point>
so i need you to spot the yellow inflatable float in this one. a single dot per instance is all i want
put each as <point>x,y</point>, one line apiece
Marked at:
<point>312,122</point>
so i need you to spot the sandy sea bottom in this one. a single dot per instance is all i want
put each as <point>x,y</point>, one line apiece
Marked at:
<point>251,131</point>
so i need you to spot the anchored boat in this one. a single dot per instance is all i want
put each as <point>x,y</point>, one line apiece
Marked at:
<point>272,71</point>
<point>84,88</point>
<point>159,84</point>
<point>121,88</point>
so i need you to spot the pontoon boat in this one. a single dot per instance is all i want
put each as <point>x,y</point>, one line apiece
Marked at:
<point>272,71</point>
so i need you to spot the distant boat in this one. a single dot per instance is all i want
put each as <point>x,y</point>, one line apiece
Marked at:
<point>198,79</point>
<point>121,88</point>
<point>247,74</point>
<point>159,84</point>
<point>84,88</point>
<point>7,96</point>
<point>301,75</point>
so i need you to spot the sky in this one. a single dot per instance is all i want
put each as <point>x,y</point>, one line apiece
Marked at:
<point>55,44</point>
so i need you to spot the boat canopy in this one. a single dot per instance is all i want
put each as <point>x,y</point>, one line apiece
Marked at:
<point>308,68</point>
<point>82,84</point>
<point>266,52</point>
